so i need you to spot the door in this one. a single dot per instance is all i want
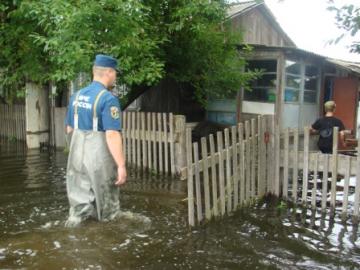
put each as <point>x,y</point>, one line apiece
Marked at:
<point>345,97</point>
<point>301,97</point>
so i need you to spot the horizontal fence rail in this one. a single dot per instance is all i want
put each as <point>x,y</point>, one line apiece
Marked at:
<point>12,122</point>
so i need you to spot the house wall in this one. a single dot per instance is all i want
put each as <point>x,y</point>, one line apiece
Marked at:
<point>257,28</point>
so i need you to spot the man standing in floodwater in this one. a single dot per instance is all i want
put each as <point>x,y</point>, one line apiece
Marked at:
<point>96,164</point>
<point>324,127</point>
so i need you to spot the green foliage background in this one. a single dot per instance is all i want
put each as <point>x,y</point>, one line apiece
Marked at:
<point>53,40</point>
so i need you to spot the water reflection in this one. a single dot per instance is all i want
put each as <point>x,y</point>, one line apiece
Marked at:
<point>152,233</point>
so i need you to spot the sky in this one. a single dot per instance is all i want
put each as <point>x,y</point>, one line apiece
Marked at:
<point>311,26</point>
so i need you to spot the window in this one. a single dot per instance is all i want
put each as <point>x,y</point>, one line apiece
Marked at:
<point>293,81</point>
<point>311,84</point>
<point>301,83</point>
<point>263,89</point>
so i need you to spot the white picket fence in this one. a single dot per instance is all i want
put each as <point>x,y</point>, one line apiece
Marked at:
<point>253,159</point>
<point>154,141</point>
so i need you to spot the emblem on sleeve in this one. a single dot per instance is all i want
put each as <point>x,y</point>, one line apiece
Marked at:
<point>115,112</point>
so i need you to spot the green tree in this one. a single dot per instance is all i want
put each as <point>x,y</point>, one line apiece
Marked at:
<point>348,19</point>
<point>188,41</point>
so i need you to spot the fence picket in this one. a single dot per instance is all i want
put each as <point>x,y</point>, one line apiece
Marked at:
<point>197,183</point>
<point>295,165</point>
<point>221,172</point>
<point>306,165</point>
<point>334,168</point>
<point>204,154</point>
<point>325,182</point>
<point>165,128</point>
<point>213,176</point>
<point>235,166</point>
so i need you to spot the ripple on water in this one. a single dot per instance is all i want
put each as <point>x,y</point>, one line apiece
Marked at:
<point>152,232</point>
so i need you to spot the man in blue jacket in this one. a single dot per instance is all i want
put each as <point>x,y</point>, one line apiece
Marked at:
<point>96,164</point>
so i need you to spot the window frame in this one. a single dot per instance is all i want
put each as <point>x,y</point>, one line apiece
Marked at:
<point>268,88</point>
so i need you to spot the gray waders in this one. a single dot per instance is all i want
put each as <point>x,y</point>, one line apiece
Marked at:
<point>91,174</point>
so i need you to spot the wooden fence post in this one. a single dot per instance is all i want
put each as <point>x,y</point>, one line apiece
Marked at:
<point>221,171</point>
<point>325,182</point>
<point>205,164</point>
<point>277,160</point>
<point>305,165</point>
<point>179,153</point>
<point>190,180</point>
<point>286,164</point>
<point>357,186</point>
<point>295,165</point>
<point>214,182</point>
<point>334,168</point>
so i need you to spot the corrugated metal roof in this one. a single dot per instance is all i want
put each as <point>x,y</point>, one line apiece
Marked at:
<point>239,8</point>
<point>350,66</point>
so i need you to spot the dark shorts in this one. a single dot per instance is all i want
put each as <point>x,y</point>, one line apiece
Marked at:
<point>325,150</point>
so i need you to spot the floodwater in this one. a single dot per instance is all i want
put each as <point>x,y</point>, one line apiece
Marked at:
<point>153,231</point>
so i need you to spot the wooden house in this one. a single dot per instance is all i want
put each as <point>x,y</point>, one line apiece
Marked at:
<point>295,83</point>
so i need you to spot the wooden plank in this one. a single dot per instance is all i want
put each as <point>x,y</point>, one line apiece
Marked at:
<point>143,141</point>
<point>334,168</point>
<point>286,164</point>
<point>271,154</point>
<point>325,182</point>
<point>16,127</point>
<point>242,172</point>
<point>228,172</point>
<point>190,180</point>
<point>166,144</point>
<point>259,156</point>
<point>204,153</point>
<point>23,122</point>
<point>221,172</point>
<point>160,142</point>
<point>346,186</point>
<point>248,161</point>
<point>2,117</point>
<point>295,166</point>
<point>129,152</point>
<point>155,159</point>
<point>197,183</point>
<point>306,165</point>
<point>124,131</point>
<point>6,121</point>
<point>213,176</point>
<point>277,161</point>
<point>357,186</point>
<point>262,157</point>
<point>253,158</point>
<point>315,178</point>
<point>172,142</point>
<point>18,122</point>
<point>149,144</point>
<point>235,165</point>
<point>1,120</point>
<point>133,138</point>
<point>138,141</point>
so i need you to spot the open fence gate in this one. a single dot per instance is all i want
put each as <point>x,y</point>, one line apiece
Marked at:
<point>249,160</point>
